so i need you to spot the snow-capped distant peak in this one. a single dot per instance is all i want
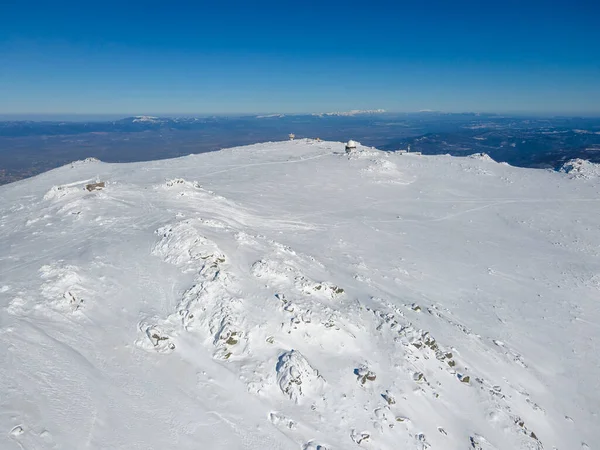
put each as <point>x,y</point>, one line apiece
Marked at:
<point>270,116</point>
<point>146,119</point>
<point>585,131</point>
<point>354,112</point>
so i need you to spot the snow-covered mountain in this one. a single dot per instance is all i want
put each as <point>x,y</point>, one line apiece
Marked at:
<point>353,112</point>
<point>270,116</point>
<point>290,296</point>
<point>151,119</point>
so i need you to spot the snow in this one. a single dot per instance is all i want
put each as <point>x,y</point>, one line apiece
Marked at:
<point>581,168</point>
<point>353,112</point>
<point>289,296</point>
<point>270,116</point>
<point>586,132</point>
<point>150,119</point>
<point>481,157</point>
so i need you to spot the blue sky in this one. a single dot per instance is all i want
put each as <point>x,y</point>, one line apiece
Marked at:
<point>132,57</point>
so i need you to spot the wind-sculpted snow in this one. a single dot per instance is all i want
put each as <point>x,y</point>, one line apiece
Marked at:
<point>291,296</point>
<point>581,168</point>
<point>90,160</point>
<point>209,306</point>
<point>63,285</point>
<point>212,310</point>
<point>296,377</point>
<point>181,244</point>
<point>57,192</point>
<point>155,339</point>
<point>481,157</point>
<point>385,171</point>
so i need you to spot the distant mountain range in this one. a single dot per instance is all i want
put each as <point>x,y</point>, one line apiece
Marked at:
<point>30,147</point>
<point>354,112</point>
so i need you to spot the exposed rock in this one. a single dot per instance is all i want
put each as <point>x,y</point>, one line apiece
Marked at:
<point>95,186</point>
<point>364,374</point>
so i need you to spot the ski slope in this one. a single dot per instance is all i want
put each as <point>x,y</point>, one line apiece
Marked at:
<point>289,296</point>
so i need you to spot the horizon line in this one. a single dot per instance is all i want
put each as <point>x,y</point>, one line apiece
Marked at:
<point>124,115</point>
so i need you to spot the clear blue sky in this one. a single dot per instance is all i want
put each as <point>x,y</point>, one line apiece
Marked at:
<point>175,57</point>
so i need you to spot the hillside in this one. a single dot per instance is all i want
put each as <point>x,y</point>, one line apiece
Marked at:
<point>288,296</point>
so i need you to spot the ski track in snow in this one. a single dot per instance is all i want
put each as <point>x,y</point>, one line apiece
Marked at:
<point>300,298</point>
